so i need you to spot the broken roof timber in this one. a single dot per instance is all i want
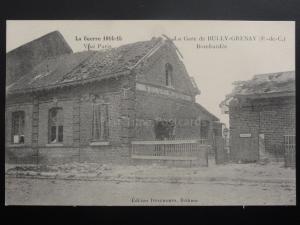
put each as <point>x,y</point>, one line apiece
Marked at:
<point>83,67</point>
<point>71,83</point>
<point>270,85</point>
<point>266,95</point>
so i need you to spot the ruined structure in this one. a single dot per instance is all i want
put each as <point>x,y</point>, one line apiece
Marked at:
<point>89,106</point>
<point>261,115</point>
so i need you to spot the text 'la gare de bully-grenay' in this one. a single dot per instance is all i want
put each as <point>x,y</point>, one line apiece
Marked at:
<point>99,42</point>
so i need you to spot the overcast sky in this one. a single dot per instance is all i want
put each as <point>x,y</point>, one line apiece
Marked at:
<point>213,69</point>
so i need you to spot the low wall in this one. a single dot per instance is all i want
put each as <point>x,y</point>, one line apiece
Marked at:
<point>21,155</point>
<point>176,163</point>
<point>105,154</point>
<point>60,155</point>
<point>101,154</point>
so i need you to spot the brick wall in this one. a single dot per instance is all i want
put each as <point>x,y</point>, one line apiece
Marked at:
<point>27,107</point>
<point>153,70</point>
<point>105,155</point>
<point>78,114</point>
<point>77,117</point>
<point>151,107</point>
<point>128,109</point>
<point>58,155</point>
<point>272,117</point>
<point>21,155</point>
<point>277,118</point>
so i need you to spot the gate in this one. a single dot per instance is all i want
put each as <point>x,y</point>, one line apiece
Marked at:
<point>221,152</point>
<point>289,150</point>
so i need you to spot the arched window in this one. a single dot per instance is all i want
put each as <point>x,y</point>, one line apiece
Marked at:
<point>18,125</point>
<point>169,75</point>
<point>56,125</point>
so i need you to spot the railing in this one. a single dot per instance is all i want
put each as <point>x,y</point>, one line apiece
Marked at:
<point>171,150</point>
<point>290,150</point>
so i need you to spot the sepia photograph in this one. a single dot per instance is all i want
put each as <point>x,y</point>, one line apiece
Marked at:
<point>150,113</point>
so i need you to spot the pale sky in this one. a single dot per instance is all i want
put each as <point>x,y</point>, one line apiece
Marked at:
<point>213,69</point>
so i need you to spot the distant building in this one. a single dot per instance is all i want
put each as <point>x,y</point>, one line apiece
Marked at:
<point>23,59</point>
<point>261,113</point>
<point>90,105</point>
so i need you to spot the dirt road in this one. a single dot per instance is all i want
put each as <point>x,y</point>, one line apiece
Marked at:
<point>27,191</point>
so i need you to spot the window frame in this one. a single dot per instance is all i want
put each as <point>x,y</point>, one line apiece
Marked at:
<point>18,116</point>
<point>55,136</point>
<point>168,75</point>
<point>100,132</point>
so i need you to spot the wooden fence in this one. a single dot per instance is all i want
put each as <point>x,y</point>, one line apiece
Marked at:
<point>175,152</point>
<point>290,150</point>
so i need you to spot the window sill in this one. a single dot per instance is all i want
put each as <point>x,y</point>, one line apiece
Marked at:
<point>15,145</point>
<point>99,143</point>
<point>170,87</point>
<point>54,145</point>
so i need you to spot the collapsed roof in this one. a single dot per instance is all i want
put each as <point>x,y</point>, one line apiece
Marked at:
<point>87,66</point>
<point>266,83</point>
<point>263,85</point>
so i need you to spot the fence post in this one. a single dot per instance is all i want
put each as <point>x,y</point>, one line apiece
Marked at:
<point>206,153</point>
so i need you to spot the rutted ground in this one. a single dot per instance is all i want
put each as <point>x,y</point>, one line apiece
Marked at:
<point>94,184</point>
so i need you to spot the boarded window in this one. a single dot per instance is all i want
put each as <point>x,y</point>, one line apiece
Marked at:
<point>100,128</point>
<point>56,125</point>
<point>204,128</point>
<point>169,75</point>
<point>18,124</point>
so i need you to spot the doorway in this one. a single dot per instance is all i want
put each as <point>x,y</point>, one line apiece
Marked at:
<point>261,147</point>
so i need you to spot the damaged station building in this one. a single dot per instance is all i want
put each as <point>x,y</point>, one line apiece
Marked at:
<point>262,117</point>
<point>63,106</point>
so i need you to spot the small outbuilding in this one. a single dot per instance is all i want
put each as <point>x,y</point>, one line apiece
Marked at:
<point>261,116</point>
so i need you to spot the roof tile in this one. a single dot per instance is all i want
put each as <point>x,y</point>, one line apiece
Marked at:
<point>79,66</point>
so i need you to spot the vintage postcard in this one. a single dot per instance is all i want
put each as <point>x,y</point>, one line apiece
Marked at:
<point>150,113</point>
